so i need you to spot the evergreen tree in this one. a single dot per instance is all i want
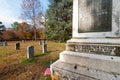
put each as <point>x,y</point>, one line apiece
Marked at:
<point>15,26</point>
<point>59,20</point>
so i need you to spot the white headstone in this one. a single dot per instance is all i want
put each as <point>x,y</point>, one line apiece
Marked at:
<point>5,43</point>
<point>44,47</point>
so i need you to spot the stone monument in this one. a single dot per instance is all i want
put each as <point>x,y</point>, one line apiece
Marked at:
<point>93,53</point>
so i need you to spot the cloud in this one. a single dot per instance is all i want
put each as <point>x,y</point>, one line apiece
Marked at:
<point>10,11</point>
<point>8,20</point>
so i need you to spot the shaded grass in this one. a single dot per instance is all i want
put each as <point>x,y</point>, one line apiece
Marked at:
<point>28,61</point>
<point>39,54</point>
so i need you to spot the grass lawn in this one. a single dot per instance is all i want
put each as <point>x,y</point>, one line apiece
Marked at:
<point>14,64</point>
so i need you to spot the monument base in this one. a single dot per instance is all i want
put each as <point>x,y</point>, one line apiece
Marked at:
<point>88,59</point>
<point>85,66</point>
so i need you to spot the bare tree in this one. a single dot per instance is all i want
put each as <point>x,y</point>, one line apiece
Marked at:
<point>31,10</point>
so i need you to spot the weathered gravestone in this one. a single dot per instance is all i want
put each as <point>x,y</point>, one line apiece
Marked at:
<point>30,52</point>
<point>17,46</point>
<point>23,41</point>
<point>5,43</point>
<point>44,47</point>
<point>1,43</point>
<point>40,43</point>
<point>93,53</point>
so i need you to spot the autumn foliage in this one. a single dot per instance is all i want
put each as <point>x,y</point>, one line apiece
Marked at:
<point>21,31</point>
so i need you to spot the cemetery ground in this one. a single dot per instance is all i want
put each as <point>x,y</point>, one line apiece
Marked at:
<point>14,64</point>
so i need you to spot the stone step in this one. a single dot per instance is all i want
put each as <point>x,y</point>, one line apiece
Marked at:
<point>110,64</point>
<point>76,72</point>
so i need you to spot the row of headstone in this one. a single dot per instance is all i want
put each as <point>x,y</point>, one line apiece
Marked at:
<point>4,43</point>
<point>30,49</point>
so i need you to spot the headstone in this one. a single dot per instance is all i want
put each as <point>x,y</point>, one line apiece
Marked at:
<point>17,46</point>
<point>44,47</point>
<point>1,43</point>
<point>43,41</point>
<point>5,43</point>
<point>30,52</point>
<point>40,42</point>
<point>23,41</point>
<point>93,53</point>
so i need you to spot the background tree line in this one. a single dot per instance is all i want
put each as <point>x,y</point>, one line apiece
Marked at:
<point>20,31</point>
<point>58,21</point>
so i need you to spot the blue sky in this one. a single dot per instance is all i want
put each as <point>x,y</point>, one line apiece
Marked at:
<point>10,11</point>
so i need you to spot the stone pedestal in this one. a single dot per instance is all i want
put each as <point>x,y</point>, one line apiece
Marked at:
<point>93,53</point>
<point>89,59</point>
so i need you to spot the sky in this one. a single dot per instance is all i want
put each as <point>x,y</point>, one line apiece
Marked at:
<point>10,11</point>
